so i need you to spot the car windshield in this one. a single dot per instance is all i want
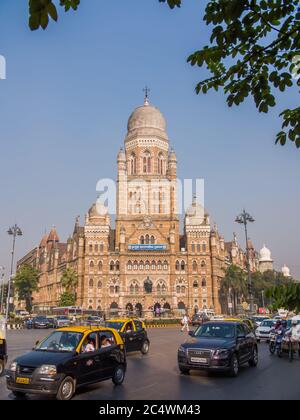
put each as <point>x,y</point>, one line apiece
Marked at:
<point>116,325</point>
<point>268,324</point>
<point>62,318</point>
<point>60,341</point>
<point>215,331</point>
<point>258,319</point>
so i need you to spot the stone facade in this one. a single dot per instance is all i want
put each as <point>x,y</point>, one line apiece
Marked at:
<point>144,261</point>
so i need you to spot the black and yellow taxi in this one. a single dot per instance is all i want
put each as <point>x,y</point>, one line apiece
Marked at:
<point>67,359</point>
<point>133,332</point>
<point>3,345</point>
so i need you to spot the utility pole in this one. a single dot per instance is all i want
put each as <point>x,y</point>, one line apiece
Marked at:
<point>14,231</point>
<point>244,218</point>
<point>2,289</point>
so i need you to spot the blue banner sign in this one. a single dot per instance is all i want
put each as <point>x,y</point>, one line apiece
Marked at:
<point>147,247</point>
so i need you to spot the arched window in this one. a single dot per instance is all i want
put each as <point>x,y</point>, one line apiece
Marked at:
<point>195,284</point>
<point>91,283</point>
<point>147,239</point>
<point>117,266</point>
<point>203,283</point>
<point>129,265</point>
<point>142,240</point>
<point>177,266</point>
<point>152,240</point>
<point>111,290</point>
<point>161,164</point>
<point>141,265</point>
<point>99,284</point>
<point>198,248</point>
<point>153,265</point>
<point>100,265</point>
<point>203,264</point>
<point>134,288</point>
<point>90,248</point>
<point>133,164</point>
<point>111,265</point>
<point>135,265</point>
<point>204,247</point>
<point>183,290</point>
<point>178,289</point>
<point>101,247</point>
<point>91,264</point>
<point>147,162</point>
<point>166,265</point>
<point>159,265</point>
<point>147,265</point>
<point>182,265</point>
<point>193,247</point>
<point>195,266</point>
<point>96,248</point>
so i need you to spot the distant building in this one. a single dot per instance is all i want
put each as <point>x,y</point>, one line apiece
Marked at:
<point>265,260</point>
<point>286,271</point>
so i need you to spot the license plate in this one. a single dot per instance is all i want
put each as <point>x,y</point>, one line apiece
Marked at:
<point>199,360</point>
<point>24,381</point>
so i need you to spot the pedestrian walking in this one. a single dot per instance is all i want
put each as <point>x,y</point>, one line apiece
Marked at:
<point>185,323</point>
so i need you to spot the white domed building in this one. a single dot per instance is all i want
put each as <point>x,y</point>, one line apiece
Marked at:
<point>286,271</point>
<point>265,260</point>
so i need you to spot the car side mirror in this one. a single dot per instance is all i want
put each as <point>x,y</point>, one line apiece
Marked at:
<point>241,337</point>
<point>192,333</point>
<point>37,342</point>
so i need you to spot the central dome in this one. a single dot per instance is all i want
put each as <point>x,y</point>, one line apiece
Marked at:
<point>146,116</point>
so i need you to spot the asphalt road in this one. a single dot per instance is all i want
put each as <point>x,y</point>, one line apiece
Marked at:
<point>156,375</point>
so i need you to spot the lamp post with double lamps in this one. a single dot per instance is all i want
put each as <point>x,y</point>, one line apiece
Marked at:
<point>14,231</point>
<point>2,288</point>
<point>244,218</point>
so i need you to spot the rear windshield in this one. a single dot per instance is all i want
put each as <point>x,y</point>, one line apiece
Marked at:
<point>267,323</point>
<point>116,325</point>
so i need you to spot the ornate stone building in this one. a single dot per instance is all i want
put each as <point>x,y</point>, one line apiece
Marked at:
<point>144,261</point>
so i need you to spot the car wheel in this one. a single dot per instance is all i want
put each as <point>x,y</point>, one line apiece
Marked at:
<point>272,347</point>
<point>1,367</point>
<point>18,394</point>
<point>119,375</point>
<point>145,347</point>
<point>234,366</point>
<point>254,358</point>
<point>258,340</point>
<point>184,371</point>
<point>66,389</point>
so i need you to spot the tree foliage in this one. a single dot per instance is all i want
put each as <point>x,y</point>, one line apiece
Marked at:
<point>69,280</point>
<point>67,299</point>
<point>26,282</point>
<point>254,50</point>
<point>285,296</point>
<point>233,285</point>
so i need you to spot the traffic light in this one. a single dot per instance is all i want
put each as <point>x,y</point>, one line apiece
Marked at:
<point>250,290</point>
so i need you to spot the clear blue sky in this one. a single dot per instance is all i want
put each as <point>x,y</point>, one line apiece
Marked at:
<point>64,109</point>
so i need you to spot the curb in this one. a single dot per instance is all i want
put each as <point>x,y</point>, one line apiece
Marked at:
<point>163,326</point>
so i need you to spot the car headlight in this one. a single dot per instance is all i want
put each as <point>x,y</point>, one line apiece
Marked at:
<point>48,370</point>
<point>221,354</point>
<point>181,350</point>
<point>13,366</point>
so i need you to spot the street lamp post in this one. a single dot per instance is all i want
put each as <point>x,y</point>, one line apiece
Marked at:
<point>14,231</point>
<point>2,288</point>
<point>244,218</point>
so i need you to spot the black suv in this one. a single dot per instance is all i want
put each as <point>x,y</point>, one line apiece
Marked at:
<point>219,346</point>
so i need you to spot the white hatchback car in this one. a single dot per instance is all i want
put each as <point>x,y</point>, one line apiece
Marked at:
<point>263,331</point>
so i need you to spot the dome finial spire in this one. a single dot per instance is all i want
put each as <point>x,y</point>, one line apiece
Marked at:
<point>146,99</point>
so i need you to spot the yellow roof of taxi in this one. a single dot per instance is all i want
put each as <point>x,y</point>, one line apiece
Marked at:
<point>120,319</point>
<point>83,328</point>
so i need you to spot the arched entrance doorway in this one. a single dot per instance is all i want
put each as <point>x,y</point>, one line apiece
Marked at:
<point>181,307</point>
<point>139,309</point>
<point>157,309</point>
<point>129,309</point>
<point>114,308</point>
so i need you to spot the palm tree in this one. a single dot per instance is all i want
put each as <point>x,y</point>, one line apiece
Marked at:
<point>69,280</point>
<point>233,285</point>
